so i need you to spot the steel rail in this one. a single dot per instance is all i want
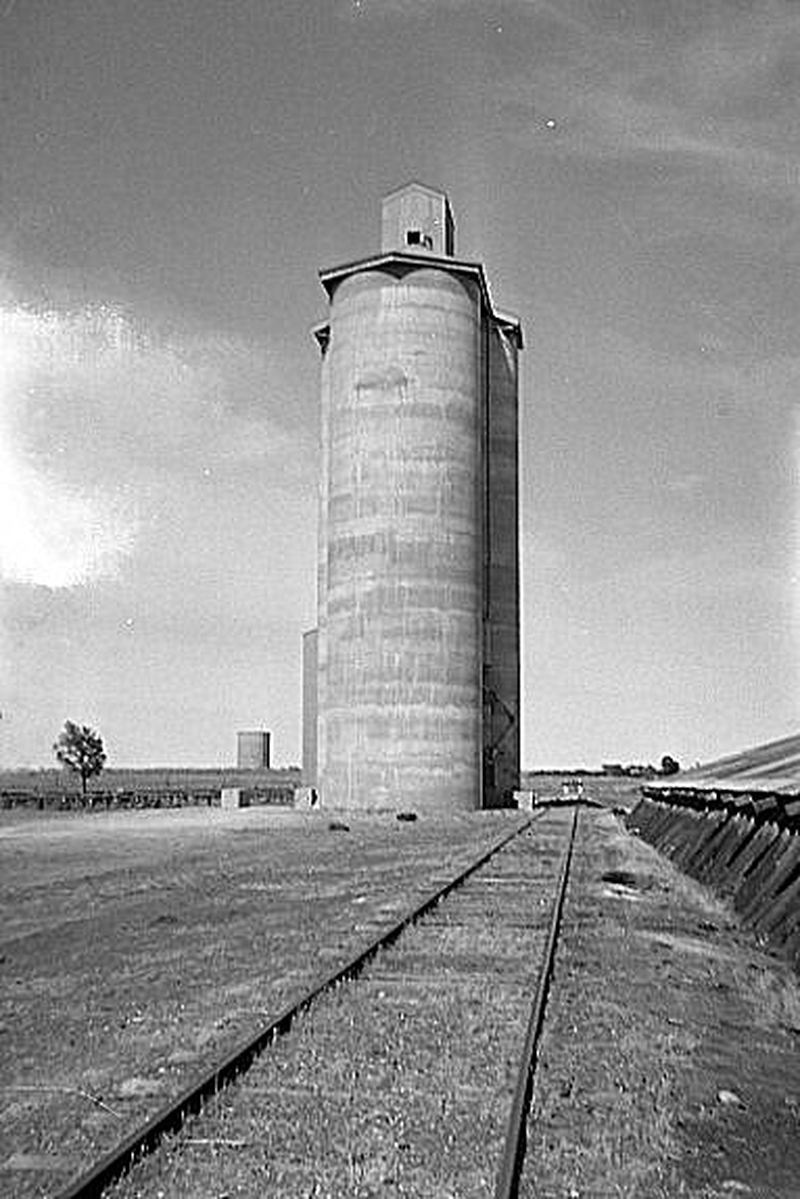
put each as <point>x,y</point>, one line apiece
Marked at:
<point>507,1183</point>
<point>170,1117</point>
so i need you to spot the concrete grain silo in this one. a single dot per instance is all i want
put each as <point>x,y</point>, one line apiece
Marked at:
<point>252,749</point>
<point>417,654</point>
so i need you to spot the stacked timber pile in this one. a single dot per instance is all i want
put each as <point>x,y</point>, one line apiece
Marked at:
<point>735,826</point>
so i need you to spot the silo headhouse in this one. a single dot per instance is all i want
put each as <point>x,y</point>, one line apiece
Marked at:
<point>413,699</point>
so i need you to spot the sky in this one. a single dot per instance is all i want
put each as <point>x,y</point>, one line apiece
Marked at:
<point>172,178</point>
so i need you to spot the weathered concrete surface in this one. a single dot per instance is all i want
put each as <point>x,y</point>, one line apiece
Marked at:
<point>418,579</point>
<point>310,702</point>
<point>501,680</point>
<point>746,847</point>
<point>402,616</point>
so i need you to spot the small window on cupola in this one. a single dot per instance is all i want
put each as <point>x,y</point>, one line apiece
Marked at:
<point>413,237</point>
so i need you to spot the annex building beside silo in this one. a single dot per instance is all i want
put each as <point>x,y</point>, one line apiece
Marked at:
<point>411,680</point>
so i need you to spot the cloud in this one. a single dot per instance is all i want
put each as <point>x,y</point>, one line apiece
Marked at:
<point>795,565</point>
<point>54,533</point>
<point>714,87</point>
<point>717,89</point>
<point>557,11</point>
<point>730,379</point>
<point>745,63</point>
<point>363,9</point>
<point>737,565</point>
<point>55,537</point>
<point>684,485</point>
<point>100,413</point>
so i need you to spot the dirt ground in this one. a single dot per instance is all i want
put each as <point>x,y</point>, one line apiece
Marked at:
<point>671,1060</point>
<point>138,947</point>
<point>398,1082</point>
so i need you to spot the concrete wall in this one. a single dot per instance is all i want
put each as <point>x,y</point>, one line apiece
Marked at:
<point>746,847</point>
<point>310,706</point>
<point>322,556</point>
<point>502,620</point>
<point>401,543</point>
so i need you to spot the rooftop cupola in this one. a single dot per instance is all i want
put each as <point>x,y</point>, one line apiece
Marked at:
<point>418,220</point>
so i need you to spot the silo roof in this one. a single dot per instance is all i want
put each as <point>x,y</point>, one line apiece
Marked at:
<point>773,768</point>
<point>331,278</point>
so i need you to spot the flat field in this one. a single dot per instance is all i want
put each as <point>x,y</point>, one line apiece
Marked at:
<point>137,947</point>
<point>22,789</point>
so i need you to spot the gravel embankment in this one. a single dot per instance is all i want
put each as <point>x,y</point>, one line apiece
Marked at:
<point>671,1060</point>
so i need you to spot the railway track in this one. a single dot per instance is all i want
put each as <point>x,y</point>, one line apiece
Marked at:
<point>407,1071</point>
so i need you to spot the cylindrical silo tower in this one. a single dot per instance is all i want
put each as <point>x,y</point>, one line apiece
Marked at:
<point>405,571</point>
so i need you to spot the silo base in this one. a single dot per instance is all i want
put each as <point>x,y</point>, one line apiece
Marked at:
<point>420,796</point>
